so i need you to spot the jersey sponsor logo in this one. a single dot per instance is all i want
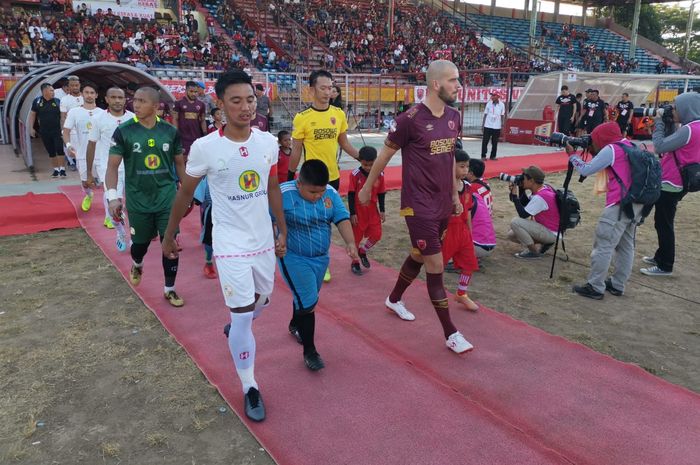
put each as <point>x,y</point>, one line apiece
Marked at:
<point>152,161</point>
<point>249,181</point>
<point>243,151</point>
<point>325,133</point>
<point>442,146</point>
<point>166,147</point>
<point>451,125</point>
<point>151,142</point>
<point>191,115</point>
<point>89,125</point>
<point>328,203</point>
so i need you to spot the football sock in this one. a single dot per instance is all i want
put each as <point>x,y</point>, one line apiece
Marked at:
<point>306,322</point>
<point>170,270</point>
<point>208,253</point>
<point>369,243</point>
<point>409,271</point>
<point>262,301</point>
<point>463,283</point>
<point>105,202</point>
<point>438,297</point>
<point>241,343</point>
<point>138,251</point>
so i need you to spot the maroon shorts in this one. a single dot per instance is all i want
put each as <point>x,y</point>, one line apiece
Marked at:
<point>426,234</point>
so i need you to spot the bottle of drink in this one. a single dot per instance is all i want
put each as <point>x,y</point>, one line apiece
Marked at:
<point>122,238</point>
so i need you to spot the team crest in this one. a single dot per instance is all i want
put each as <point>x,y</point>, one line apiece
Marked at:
<point>328,203</point>
<point>243,151</point>
<point>451,125</point>
<point>166,147</point>
<point>151,142</point>
<point>228,290</point>
<point>333,120</point>
<point>421,244</point>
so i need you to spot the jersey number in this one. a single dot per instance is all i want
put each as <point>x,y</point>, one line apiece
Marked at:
<point>136,148</point>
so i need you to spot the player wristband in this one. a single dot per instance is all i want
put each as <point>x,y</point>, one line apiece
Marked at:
<point>112,195</point>
<point>68,145</point>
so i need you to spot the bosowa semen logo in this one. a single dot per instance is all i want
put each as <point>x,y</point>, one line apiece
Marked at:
<point>152,161</point>
<point>249,181</point>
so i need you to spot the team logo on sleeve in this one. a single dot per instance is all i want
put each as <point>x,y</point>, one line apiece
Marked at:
<point>249,181</point>
<point>243,151</point>
<point>152,161</point>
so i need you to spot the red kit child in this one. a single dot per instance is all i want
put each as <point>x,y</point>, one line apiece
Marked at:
<point>284,139</point>
<point>367,219</point>
<point>457,245</point>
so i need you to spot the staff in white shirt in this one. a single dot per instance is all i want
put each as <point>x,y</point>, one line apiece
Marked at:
<point>494,114</point>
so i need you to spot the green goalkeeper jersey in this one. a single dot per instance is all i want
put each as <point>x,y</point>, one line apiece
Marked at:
<point>149,164</point>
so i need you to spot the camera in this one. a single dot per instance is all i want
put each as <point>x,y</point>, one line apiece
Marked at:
<point>560,139</point>
<point>514,179</point>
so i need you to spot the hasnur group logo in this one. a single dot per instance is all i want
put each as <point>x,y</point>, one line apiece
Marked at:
<point>152,161</point>
<point>249,181</point>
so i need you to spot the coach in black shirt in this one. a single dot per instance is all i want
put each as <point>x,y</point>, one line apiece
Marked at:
<point>566,115</point>
<point>593,110</point>
<point>48,111</point>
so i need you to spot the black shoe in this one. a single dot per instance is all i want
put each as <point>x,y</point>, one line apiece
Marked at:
<point>609,287</point>
<point>227,329</point>
<point>62,173</point>
<point>484,158</point>
<point>588,291</point>
<point>54,174</point>
<point>364,260</point>
<point>545,247</point>
<point>295,332</point>
<point>313,361</point>
<point>254,407</point>
<point>493,158</point>
<point>355,268</point>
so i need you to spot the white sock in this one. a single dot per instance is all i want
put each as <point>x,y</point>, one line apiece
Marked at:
<point>262,302</point>
<point>137,265</point>
<point>105,202</point>
<point>167,289</point>
<point>241,343</point>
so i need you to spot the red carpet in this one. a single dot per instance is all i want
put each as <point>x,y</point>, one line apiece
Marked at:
<point>33,213</point>
<point>548,162</point>
<point>393,394</point>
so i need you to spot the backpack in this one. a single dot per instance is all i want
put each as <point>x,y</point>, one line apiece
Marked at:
<point>569,209</point>
<point>690,174</point>
<point>645,188</point>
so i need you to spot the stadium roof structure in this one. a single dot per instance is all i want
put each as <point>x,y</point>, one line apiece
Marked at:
<point>543,89</point>
<point>592,3</point>
<point>104,75</point>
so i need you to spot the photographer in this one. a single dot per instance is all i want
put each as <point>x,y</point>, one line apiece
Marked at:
<point>541,206</point>
<point>678,149</point>
<point>615,231</point>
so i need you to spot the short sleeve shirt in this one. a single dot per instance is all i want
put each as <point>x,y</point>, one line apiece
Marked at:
<point>149,164</point>
<point>259,122</point>
<point>594,111</point>
<point>70,101</point>
<point>80,122</point>
<point>320,129</point>
<point>623,110</point>
<point>358,178</point>
<point>48,113</point>
<point>237,174</point>
<point>103,127</point>
<point>566,106</point>
<point>188,118</point>
<point>263,106</point>
<point>427,148</point>
<point>309,224</point>
<point>494,112</point>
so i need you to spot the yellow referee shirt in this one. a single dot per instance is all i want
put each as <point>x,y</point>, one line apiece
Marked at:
<point>319,129</point>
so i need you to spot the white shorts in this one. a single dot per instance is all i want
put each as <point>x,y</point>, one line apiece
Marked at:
<point>82,168</point>
<point>243,277</point>
<point>102,176</point>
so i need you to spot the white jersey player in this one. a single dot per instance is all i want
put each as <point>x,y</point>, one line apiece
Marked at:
<point>72,99</point>
<point>240,163</point>
<point>99,141</point>
<point>80,120</point>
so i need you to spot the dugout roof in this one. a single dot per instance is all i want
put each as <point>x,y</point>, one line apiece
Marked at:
<point>103,74</point>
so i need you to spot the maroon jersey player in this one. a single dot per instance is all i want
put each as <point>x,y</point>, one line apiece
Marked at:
<point>189,118</point>
<point>426,135</point>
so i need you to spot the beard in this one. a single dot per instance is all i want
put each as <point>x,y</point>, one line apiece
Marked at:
<point>445,97</point>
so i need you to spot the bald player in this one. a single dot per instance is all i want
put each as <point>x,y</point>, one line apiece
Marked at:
<point>426,135</point>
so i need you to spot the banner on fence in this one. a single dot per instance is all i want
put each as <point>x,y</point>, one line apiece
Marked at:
<point>471,94</point>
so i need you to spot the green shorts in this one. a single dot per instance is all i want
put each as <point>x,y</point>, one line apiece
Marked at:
<point>145,226</point>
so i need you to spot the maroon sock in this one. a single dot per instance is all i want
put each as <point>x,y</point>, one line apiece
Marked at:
<point>409,271</point>
<point>438,297</point>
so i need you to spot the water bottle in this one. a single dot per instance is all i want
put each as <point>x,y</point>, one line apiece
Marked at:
<point>122,238</point>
